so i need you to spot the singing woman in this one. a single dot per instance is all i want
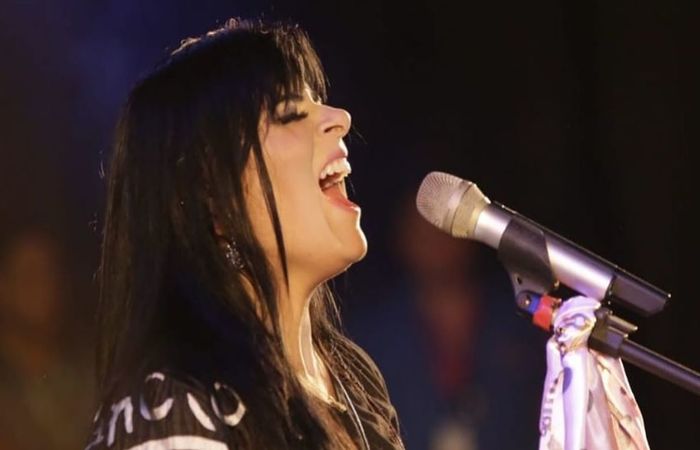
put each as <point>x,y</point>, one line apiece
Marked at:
<point>226,215</point>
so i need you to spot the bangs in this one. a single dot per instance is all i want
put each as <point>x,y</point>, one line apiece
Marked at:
<point>280,62</point>
<point>299,64</point>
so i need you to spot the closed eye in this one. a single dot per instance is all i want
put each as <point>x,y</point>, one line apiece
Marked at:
<point>291,117</point>
<point>288,111</point>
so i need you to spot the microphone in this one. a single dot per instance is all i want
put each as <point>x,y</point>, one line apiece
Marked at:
<point>537,259</point>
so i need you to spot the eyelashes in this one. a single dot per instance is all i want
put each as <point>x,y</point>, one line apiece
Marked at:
<point>292,116</point>
<point>287,111</point>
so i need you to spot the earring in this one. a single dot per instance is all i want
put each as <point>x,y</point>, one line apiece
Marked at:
<point>234,256</point>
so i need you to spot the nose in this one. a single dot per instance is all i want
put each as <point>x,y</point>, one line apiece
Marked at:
<point>335,121</point>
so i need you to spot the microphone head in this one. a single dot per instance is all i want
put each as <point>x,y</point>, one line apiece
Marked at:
<point>451,203</point>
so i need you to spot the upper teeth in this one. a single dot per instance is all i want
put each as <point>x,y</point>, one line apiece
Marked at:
<point>341,166</point>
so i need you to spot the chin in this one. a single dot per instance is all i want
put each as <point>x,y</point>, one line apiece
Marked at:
<point>357,246</point>
<point>353,250</point>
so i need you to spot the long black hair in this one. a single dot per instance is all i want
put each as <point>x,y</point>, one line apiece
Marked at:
<point>168,295</point>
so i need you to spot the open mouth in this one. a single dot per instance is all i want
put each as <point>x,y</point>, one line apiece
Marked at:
<point>332,182</point>
<point>332,178</point>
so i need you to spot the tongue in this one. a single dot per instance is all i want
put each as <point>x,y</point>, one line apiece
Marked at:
<point>336,193</point>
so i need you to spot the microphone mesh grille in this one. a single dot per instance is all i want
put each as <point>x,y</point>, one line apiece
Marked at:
<point>433,195</point>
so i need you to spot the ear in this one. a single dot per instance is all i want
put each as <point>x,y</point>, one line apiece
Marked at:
<point>215,220</point>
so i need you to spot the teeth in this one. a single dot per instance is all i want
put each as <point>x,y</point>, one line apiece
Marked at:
<point>338,166</point>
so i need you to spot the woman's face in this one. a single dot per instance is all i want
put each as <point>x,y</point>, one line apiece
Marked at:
<point>306,158</point>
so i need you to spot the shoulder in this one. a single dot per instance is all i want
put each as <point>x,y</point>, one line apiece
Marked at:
<point>369,393</point>
<point>168,411</point>
<point>354,359</point>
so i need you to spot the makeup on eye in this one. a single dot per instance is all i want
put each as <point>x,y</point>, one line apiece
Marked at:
<point>292,116</point>
<point>288,111</point>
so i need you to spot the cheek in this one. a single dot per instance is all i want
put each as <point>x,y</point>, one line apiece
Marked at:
<point>289,159</point>
<point>299,204</point>
<point>289,163</point>
<point>257,211</point>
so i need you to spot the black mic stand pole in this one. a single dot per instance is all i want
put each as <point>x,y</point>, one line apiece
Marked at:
<point>609,336</point>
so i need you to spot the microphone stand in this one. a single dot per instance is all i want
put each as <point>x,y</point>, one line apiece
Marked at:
<point>609,336</point>
<point>524,248</point>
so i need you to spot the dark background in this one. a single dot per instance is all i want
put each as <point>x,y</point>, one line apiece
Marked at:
<point>580,115</point>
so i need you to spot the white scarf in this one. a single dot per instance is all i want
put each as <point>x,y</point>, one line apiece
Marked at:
<point>587,402</point>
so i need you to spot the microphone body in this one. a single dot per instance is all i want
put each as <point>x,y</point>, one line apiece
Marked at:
<point>538,259</point>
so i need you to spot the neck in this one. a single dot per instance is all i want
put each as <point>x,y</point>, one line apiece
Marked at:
<point>298,341</point>
<point>297,335</point>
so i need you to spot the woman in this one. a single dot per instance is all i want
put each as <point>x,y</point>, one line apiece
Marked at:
<point>226,215</point>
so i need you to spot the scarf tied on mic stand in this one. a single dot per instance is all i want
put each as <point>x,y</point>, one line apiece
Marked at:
<point>587,402</point>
